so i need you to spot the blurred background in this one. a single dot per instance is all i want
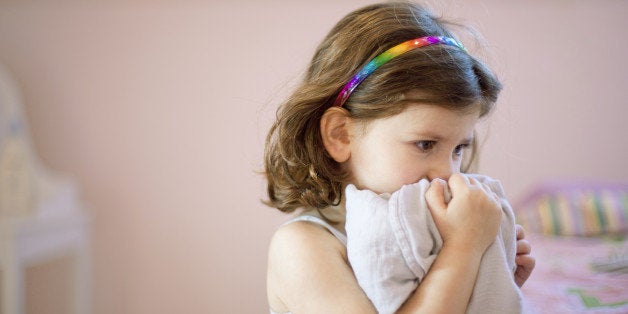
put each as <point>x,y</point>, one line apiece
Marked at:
<point>158,111</point>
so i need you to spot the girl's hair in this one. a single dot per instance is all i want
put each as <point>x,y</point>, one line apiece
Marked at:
<point>299,170</point>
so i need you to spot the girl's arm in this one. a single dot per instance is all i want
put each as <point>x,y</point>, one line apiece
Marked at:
<point>448,284</point>
<point>308,272</point>
<point>468,224</point>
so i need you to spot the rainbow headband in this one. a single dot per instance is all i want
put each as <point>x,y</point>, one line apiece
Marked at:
<point>387,56</point>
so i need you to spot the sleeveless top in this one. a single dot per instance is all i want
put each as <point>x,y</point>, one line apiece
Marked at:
<point>313,219</point>
<point>337,233</point>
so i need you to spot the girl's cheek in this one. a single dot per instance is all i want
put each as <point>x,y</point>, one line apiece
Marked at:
<point>404,178</point>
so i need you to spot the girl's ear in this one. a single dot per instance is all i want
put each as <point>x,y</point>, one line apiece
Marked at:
<point>335,124</point>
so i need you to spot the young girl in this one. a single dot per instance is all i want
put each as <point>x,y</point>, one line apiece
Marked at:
<point>377,120</point>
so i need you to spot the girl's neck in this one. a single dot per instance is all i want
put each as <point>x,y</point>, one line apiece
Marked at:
<point>335,215</point>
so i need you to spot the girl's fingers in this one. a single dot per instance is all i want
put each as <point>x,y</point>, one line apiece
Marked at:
<point>437,204</point>
<point>520,232</point>
<point>525,262</point>
<point>435,197</point>
<point>523,247</point>
<point>458,181</point>
<point>525,265</point>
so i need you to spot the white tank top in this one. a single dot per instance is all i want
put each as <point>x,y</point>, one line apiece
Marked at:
<point>337,233</point>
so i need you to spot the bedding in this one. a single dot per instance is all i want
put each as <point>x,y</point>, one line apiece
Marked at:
<point>578,275</point>
<point>579,239</point>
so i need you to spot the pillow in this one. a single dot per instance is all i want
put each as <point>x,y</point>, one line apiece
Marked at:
<point>575,209</point>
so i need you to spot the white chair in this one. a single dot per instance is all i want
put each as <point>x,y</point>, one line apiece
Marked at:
<point>41,217</point>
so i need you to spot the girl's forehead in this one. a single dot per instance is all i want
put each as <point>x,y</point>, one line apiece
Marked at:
<point>425,119</point>
<point>422,118</point>
<point>428,114</point>
<point>460,109</point>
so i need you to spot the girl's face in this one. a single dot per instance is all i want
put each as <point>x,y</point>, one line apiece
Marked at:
<point>423,141</point>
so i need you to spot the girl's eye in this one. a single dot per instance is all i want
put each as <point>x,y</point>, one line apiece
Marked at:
<point>425,146</point>
<point>460,149</point>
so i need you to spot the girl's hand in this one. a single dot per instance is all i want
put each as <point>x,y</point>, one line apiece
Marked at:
<point>525,262</point>
<point>472,216</point>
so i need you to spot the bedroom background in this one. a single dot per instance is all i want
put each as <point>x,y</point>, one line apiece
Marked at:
<point>159,109</point>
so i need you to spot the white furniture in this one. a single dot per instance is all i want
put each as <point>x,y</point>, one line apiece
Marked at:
<point>27,242</point>
<point>41,216</point>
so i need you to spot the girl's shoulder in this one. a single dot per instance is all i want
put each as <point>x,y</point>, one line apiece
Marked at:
<point>302,242</point>
<point>300,251</point>
<point>306,233</point>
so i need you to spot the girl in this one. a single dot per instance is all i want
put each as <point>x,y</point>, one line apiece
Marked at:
<point>407,115</point>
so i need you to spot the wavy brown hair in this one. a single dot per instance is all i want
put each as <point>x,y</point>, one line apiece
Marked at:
<point>299,171</point>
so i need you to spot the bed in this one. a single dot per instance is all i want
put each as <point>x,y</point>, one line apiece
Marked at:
<point>578,233</point>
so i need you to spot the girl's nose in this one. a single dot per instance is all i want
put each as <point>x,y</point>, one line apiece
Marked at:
<point>442,169</point>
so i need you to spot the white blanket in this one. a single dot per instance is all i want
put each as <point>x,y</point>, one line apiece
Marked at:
<point>392,241</point>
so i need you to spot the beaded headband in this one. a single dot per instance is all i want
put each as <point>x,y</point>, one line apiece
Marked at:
<point>387,56</point>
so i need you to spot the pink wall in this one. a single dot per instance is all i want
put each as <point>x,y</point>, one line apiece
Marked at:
<point>160,110</point>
